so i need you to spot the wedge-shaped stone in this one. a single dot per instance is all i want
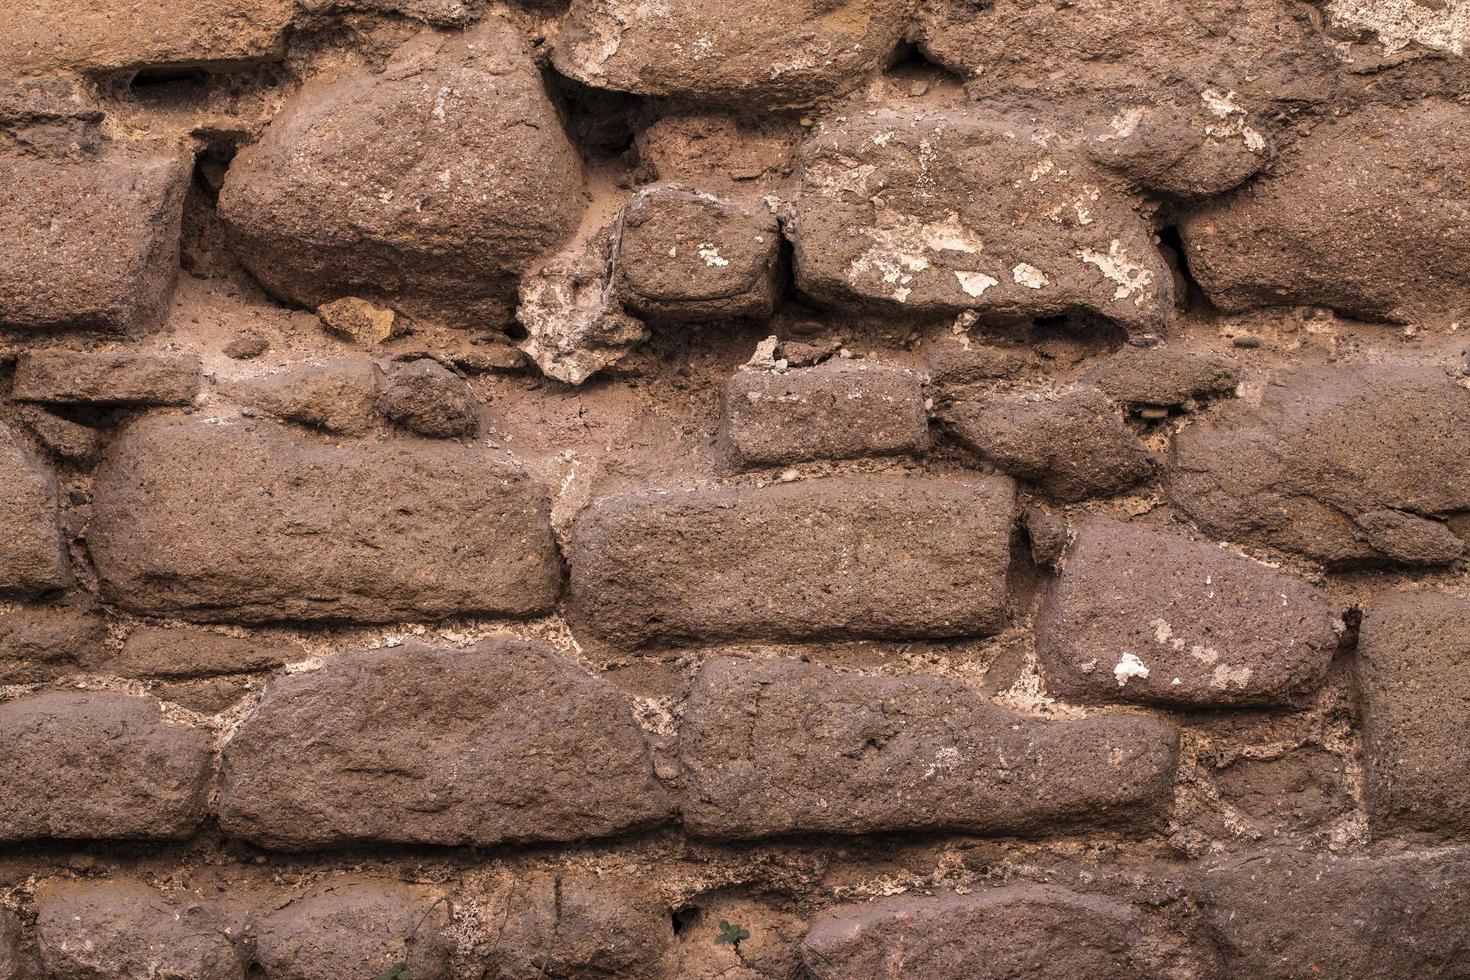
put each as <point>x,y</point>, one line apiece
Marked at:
<point>1163,375</point>
<point>112,378</point>
<point>97,764</point>
<point>91,243</point>
<point>1287,915</point>
<point>504,741</point>
<point>248,521</point>
<point>1040,932</point>
<point>124,930</point>
<point>935,214</point>
<point>427,188</point>
<point>837,410</point>
<point>855,557</point>
<point>1139,614</point>
<point>1413,668</point>
<point>747,53</point>
<point>31,556</point>
<point>1341,464</point>
<point>781,747</point>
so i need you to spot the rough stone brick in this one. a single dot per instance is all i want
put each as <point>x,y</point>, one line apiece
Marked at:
<point>749,53</point>
<point>99,764</point>
<point>780,747</point>
<point>1072,444</point>
<point>1326,448</point>
<point>155,651</point>
<point>31,556</point>
<point>426,397</point>
<point>974,214</point>
<point>427,188</point>
<point>504,741</point>
<point>838,410</point>
<point>38,643</point>
<point>106,35</point>
<point>92,243</point>
<point>686,257</point>
<point>15,964</point>
<point>1369,216</point>
<point>246,521</point>
<point>857,557</point>
<point>124,930</point>
<point>355,927</point>
<point>1413,668</point>
<point>953,361</point>
<point>65,439</point>
<point>113,378</point>
<point>1163,375</point>
<point>1139,614</point>
<point>1041,932</point>
<point>336,396</point>
<point>1286,915</point>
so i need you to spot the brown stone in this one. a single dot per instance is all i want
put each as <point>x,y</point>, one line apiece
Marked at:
<point>427,188</point>
<point>1165,374</point>
<point>65,439</point>
<point>853,557</point>
<point>124,930</point>
<point>39,643</point>
<point>502,742</point>
<point>781,747</point>
<point>155,651</point>
<point>15,963</point>
<point>360,321</point>
<point>425,397</point>
<point>1139,614</point>
<point>355,927</point>
<point>336,396</point>
<point>247,521</point>
<point>112,378</point>
<point>92,243</point>
<point>957,360</point>
<point>1413,667</point>
<point>31,555</point>
<point>97,764</point>
<point>1071,443</point>
<point>840,410</point>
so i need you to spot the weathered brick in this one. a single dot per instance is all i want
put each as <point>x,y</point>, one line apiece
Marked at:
<point>31,556</point>
<point>355,927</point>
<point>817,558</point>
<point>38,643</point>
<point>1413,668</point>
<point>1139,614</point>
<point>111,378</point>
<point>504,741</point>
<point>106,35</point>
<point>838,410</point>
<point>154,651</point>
<point>92,243</point>
<point>780,747</point>
<point>248,521</point>
<point>1162,375</point>
<point>1032,931</point>
<point>335,396</point>
<point>97,764</point>
<point>15,964</point>
<point>1287,915</point>
<point>125,930</point>
<point>1072,444</point>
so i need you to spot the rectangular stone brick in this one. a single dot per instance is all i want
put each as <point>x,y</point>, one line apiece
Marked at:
<point>31,557</point>
<point>839,410</point>
<point>781,747</point>
<point>219,520</point>
<point>112,378</point>
<point>855,557</point>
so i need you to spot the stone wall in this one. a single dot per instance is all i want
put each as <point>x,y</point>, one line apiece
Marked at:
<point>734,491</point>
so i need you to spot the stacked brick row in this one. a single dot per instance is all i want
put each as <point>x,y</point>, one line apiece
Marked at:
<point>888,488</point>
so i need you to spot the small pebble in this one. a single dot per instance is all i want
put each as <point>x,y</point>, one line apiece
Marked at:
<point>1246,341</point>
<point>247,345</point>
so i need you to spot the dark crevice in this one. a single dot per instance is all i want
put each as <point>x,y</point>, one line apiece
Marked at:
<point>1191,297</point>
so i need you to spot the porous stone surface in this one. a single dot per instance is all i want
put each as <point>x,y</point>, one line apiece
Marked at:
<point>121,930</point>
<point>238,522</point>
<point>31,556</point>
<point>1413,669</point>
<point>425,397</point>
<point>853,557</point>
<point>1327,451</point>
<point>776,747</point>
<point>13,963</point>
<point>40,642</point>
<point>75,378</point>
<point>505,741</point>
<point>1167,375</point>
<point>336,396</point>
<point>98,764</point>
<point>93,241</point>
<point>1141,614</point>
<point>837,410</point>
<point>426,188</point>
<point>152,651</point>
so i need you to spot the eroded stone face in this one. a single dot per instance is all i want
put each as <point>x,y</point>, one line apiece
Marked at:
<point>61,377</point>
<point>749,54</point>
<point>502,742</point>
<point>31,556</point>
<point>428,188</point>
<point>780,747</point>
<point>937,213</point>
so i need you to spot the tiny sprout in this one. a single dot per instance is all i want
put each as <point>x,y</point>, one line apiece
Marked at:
<point>731,933</point>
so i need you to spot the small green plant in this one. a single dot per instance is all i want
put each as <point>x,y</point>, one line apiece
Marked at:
<point>398,971</point>
<point>731,933</point>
